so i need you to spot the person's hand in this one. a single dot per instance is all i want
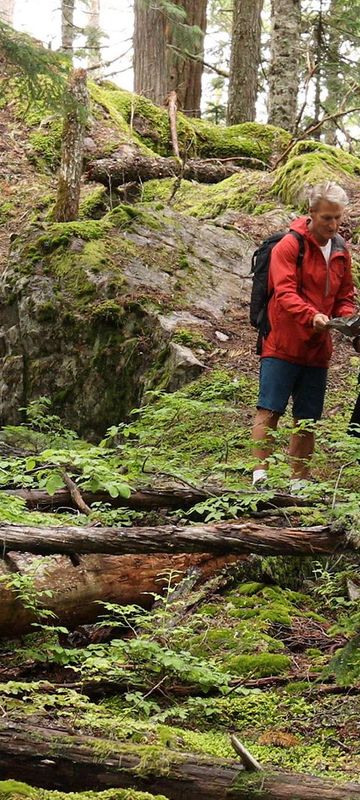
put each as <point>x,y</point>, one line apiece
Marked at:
<point>320,322</point>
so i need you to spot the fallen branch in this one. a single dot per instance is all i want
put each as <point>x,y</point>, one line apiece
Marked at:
<point>220,538</point>
<point>147,499</point>
<point>128,167</point>
<point>172,105</point>
<point>64,759</point>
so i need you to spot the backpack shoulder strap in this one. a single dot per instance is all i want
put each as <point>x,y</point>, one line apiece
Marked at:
<point>301,239</point>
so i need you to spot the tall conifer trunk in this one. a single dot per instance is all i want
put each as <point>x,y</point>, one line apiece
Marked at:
<point>150,52</point>
<point>244,60</point>
<point>284,63</point>
<point>160,69</point>
<point>93,34</point>
<point>67,25</point>
<point>184,76</point>
<point>7,8</point>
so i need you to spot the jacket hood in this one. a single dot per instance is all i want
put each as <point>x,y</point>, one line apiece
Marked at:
<point>301,225</point>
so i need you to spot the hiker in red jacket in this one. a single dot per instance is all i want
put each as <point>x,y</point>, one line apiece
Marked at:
<point>296,353</point>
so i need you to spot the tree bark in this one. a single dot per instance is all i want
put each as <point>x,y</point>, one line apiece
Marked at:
<point>150,78</point>
<point>93,35</point>
<point>76,590</point>
<point>65,760</point>
<point>145,499</point>
<point>68,193</point>
<point>67,25</point>
<point>159,69</point>
<point>334,80</point>
<point>284,63</point>
<point>238,538</point>
<point>128,167</point>
<point>244,61</point>
<point>7,8</point>
<point>184,75</point>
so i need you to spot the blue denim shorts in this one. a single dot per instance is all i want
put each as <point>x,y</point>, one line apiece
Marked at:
<point>280,380</point>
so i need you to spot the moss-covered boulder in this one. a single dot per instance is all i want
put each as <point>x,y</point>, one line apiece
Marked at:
<point>87,309</point>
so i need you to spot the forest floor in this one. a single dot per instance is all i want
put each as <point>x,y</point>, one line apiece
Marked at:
<point>251,657</point>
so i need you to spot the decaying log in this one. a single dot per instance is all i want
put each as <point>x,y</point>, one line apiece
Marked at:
<point>76,590</point>
<point>65,760</point>
<point>146,499</point>
<point>237,538</point>
<point>126,167</point>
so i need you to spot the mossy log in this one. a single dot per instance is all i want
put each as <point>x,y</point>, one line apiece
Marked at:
<point>76,590</point>
<point>237,538</point>
<point>63,759</point>
<point>130,167</point>
<point>147,499</point>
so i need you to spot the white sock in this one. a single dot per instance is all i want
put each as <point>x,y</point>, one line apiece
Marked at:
<point>259,475</point>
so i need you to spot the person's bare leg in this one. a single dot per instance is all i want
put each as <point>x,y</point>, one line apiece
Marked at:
<point>265,422</point>
<point>301,449</point>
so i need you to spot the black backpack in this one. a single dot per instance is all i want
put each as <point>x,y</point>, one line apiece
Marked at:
<point>260,296</point>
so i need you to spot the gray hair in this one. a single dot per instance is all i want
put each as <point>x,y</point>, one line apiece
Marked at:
<point>329,191</point>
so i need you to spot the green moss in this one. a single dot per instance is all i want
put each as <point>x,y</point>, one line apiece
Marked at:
<point>7,210</point>
<point>13,790</point>
<point>249,588</point>
<point>141,121</point>
<point>191,338</point>
<point>247,191</point>
<point>259,666</point>
<point>310,163</point>
<point>93,204</point>
<point>109,311</point>
<point>46,146</point>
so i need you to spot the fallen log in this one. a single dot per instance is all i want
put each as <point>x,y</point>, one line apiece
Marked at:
<point>65,760</point>
<point>238,538</point>
<point>146,499</point>
<point>127,167</point>
<point>77,590</point>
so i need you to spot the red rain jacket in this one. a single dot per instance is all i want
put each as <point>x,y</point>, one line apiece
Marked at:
<point>300,293</point>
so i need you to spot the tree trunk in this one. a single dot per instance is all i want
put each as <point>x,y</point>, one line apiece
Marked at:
<point>129,167</point>
<point>150,77</point>
<point>68,193</point>
<point>244,61</point>
<point>7,8</point>
<point>67,761</point>
<point>67,25</point>
<point>184,75</point>
<point>93,35</point>
<point>334,81</point>
<point>284,63</point>
<point>146,499</point>
<point>76,589</point>
<point>158,69</point>
<point>239,538</point>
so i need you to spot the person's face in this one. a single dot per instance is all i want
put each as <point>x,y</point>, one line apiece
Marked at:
<point>325,220</point>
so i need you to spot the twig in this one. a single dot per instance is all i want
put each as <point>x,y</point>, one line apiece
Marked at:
<point>311,130</point>
<point>248,761</point>
<point>172,106</point>
<point>76,494</point>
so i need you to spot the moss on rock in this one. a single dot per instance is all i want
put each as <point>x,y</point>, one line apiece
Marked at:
<point>247,191</point>
<point>309,163</point>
